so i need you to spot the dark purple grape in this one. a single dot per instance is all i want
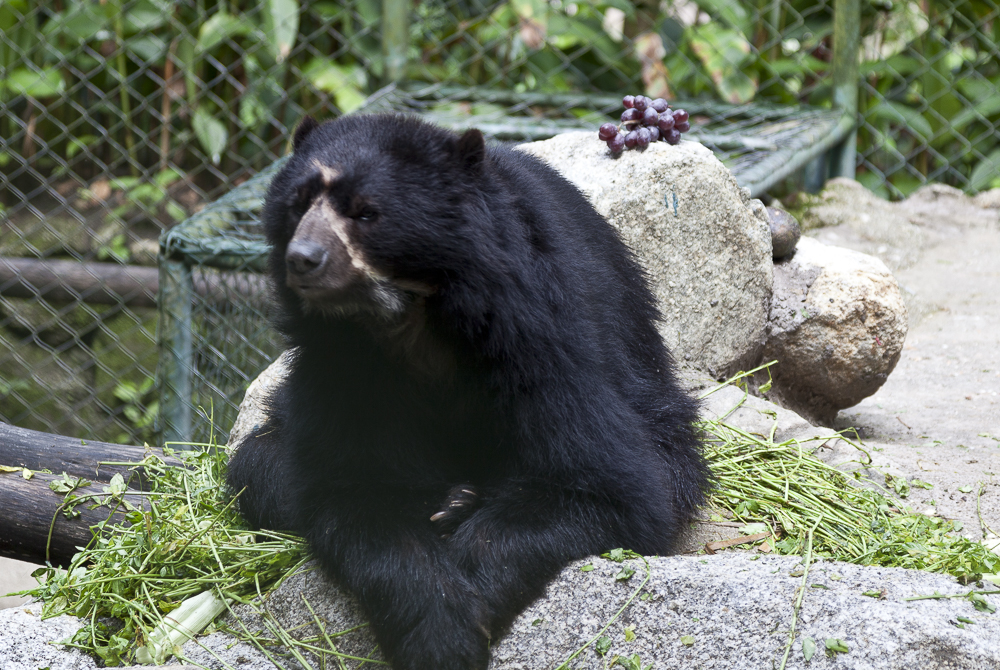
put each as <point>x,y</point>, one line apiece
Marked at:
<point>631,115</point>
<point>607,131</point>
<point>660,105</point>
<point>654,134</point>
<point>650,117</point>
<point>682,127</point>
<point>632,139</point>
<point>672,136</point>
<point>641,103</point>
<point>643,138</point>
<point>665,121</point>
<point>628,101</point>
<point>617,144</point>
<point>680,115</point>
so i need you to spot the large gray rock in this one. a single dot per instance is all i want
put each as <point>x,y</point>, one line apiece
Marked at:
<point>736,606</point>
<point>836,328</point>
<point>849,215</point>
<point>732,610</point>
<point>704,242</point>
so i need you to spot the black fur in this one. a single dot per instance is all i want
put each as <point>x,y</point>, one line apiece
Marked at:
<point>513,355</point>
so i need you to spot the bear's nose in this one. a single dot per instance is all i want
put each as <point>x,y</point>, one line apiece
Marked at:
<point>304,257</point>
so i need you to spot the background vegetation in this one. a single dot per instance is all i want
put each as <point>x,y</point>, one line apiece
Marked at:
<point>119,118</point>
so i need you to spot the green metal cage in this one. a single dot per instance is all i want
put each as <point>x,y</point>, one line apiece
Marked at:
<point>213,300</point>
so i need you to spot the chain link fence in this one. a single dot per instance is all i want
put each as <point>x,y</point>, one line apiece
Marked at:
<point>122,118</point>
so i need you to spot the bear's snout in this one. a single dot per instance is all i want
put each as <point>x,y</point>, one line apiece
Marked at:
<point>305,257</point>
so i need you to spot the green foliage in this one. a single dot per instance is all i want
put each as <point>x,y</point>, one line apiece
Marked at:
<point>186,539</point>
<point>784,486</point>
<point>929,96</point>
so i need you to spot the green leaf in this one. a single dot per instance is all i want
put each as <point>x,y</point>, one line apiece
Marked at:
<point>116,486</point>
<point>43,83</point>
<point>616,555</point>
<point>586,568</point>
<point>732,13</point>
<point>345,83</point>
<point>985,171</point>
<point>808,648</point>
<point>211,134</point>
<point>984,109</point>
<point>150,48</point>
<point>981,603</point>
<point>281,25</point>
<point>80,21</point>
<point>78,144</point>
<point>625,574</point>
<point>602,645</point>
<point>723,52</point>
<point>146,15</point>
<point>218,28</point>
<point>896,112</point>
<point>687,640</point>
<point>835,645</point>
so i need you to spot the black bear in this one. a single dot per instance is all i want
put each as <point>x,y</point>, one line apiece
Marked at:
<point>478,393</point>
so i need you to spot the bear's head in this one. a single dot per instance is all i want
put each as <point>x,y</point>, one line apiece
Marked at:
<point>371,212</point>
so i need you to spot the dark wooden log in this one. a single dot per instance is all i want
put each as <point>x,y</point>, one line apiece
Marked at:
<point>111,283</point>
<point>69,281</point>
<point>30,509</point>
<point>80,458</point>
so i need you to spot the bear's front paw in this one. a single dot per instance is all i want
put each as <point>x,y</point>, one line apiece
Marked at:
<point>457,641</point>
<point>460,503</point>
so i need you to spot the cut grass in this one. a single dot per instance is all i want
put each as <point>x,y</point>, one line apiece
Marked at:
<point>189,540</point>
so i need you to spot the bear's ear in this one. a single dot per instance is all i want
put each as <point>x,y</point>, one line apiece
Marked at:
<point>306,126</point>
<point>471,149</point>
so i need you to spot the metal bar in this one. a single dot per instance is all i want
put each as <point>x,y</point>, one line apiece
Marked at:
<point>395,37</point>
<point>846,42</point>
<point>769,174</point>
<point>174,339</point>
<point>593,101</point>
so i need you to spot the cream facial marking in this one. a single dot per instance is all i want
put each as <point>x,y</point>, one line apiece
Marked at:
<point>322,210</point>
<point>329,173</point>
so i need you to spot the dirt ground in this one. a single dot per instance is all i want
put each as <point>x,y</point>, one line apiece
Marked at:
<point>937,418</point>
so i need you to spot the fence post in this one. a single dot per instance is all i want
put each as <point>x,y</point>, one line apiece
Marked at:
<point>395,37</point>
<point>175,295</point>
<point>846,43</point>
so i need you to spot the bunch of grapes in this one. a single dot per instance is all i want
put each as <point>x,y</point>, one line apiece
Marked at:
<point>644,121</point>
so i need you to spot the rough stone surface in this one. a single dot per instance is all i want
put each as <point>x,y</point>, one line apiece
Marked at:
<point>737,608</point>
<point>988,199</point>
<point>25,641</point>
<point>937,206</point>
<point>252,409</point>
<point>704,242</point>
<point>785,232</point>
<point>848,214</point>
<point>837,326</point>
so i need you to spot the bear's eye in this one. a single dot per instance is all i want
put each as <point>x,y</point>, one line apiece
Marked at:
<point>366,214</point>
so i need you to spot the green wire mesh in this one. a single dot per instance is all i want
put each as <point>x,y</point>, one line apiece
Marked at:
<point>119,119</point>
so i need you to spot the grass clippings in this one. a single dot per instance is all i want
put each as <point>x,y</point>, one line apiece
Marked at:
<point>134,578</point>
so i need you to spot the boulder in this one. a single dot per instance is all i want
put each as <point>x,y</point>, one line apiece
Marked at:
<point>847,214</point>
<point>704,242</point>
<point>732,610</point>
<point>836,328</point>
<point>988,199</point>
<point>253,410</point>
<point>946,209</point>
